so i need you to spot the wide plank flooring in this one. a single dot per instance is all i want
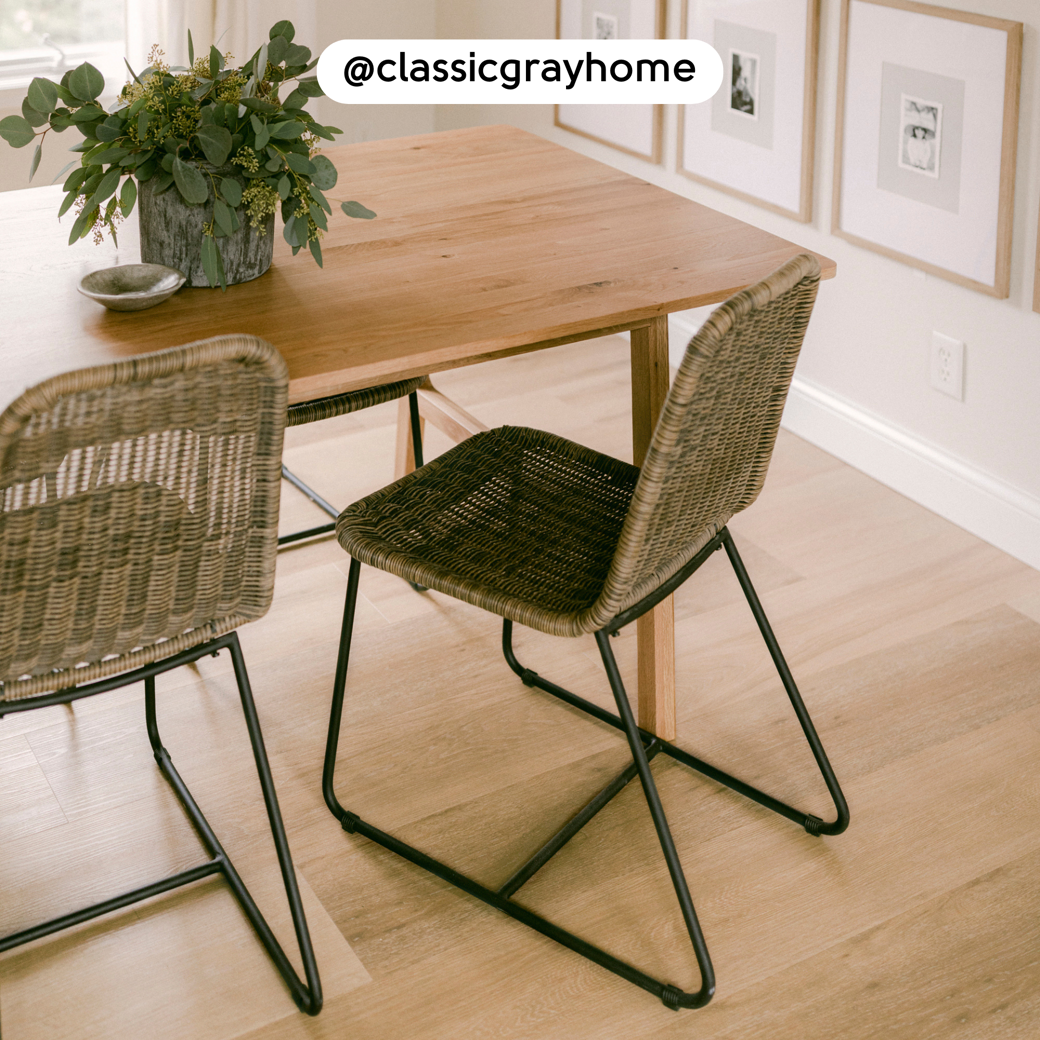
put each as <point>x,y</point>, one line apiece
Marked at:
<point>917,648</point>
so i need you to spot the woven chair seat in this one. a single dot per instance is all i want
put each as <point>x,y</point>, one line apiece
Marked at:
<point>354,401</point>
<point>517,521</point>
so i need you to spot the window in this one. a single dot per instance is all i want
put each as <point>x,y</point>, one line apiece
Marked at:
<point>47,37</point>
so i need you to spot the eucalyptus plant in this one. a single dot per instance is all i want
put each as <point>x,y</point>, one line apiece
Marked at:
<point>207,126</point>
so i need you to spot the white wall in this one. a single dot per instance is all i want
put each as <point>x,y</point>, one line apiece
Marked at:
<point>862,389</point>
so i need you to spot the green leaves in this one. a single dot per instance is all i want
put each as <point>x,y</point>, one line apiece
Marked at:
<point>215,142</point>
<point>162,183</point>
<point>231,190</point>
<point>86,83</point>
<point>163,132</point>
<point>295,231</point>
<point>66,203</point>
<point>61,119</point>
<point>260,69</point>
<point>212,263</point>
<point>258,105</point>
<point>320,199</point>
<point>88,113</point>
<point>262,131</point>
<point>128,196</point>
<point>288,131</point>
<point>16,131</point>
<point>300,164</point>
<point>276,49</point>
<point>297,55</point>
<point>190,183</point>
<point>107,187</point>
<point>111,129</point>
<point>43,95</point>
<point>31,116</point>
<point>222,217</point>
<point>318,216</point>
<point>325,174</point>
<point>355,209</point>
<point>84,222</point>
<point>109,155</point>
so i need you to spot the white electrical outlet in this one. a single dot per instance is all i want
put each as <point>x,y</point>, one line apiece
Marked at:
<point>947,367</point>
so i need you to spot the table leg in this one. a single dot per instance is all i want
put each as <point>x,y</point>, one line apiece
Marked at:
<point>655,630</point>
<point>443,413</point>
<point>404,454</point>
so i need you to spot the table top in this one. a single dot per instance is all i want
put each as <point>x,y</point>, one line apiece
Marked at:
<point>488,241</point>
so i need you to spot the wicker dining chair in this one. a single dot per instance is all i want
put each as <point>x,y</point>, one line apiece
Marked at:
<point>567,541</point>
<point>345,404</point>
<point>138,529</point>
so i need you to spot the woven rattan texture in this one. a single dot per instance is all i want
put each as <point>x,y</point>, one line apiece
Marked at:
<point>715,436</point>
<point>560,538</point>
<point>517,521</point>
<point>344,404</point>
<point>138,510</point>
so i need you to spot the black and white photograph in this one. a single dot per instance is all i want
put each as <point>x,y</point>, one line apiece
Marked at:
<point>604,26</point>
<point>920,135</point>
<point>743,80</point>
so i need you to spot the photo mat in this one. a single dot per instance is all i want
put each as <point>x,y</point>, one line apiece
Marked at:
<point>926,138</point>
<point>634,129</point>
<point>755,139</point>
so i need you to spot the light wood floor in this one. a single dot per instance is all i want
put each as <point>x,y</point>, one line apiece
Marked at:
<point>917,648</point>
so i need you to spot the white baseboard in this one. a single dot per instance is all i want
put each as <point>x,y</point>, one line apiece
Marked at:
<point>983,504</point>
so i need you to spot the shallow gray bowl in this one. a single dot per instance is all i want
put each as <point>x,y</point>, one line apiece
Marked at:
<point>132,287</point>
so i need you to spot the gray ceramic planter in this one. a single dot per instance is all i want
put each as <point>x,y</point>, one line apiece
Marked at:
<point>171,235</point>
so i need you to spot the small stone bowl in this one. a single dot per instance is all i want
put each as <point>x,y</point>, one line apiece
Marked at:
<point>132,287</point>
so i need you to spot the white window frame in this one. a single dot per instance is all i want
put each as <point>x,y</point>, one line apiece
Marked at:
<point>19,67</point>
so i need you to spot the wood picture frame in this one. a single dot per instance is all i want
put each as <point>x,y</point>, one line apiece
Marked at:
<point>931,210</point>
<point>777,173</point>
<point>1036,272</point>
<point>638,131</point>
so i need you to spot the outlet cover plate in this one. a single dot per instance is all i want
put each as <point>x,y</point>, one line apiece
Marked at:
<point>947,365</point>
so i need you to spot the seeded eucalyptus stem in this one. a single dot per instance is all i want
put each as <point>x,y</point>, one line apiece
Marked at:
<point>177,126</point>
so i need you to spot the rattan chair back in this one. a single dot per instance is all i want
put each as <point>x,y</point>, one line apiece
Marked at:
<point>138,510</point>
<point>712,444</point>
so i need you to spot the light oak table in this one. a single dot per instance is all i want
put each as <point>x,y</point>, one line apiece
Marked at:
<point>489,241</point>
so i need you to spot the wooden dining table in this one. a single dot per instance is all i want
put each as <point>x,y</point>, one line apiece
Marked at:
<point>489,241</point>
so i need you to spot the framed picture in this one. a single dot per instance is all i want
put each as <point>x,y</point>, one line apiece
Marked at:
<point>636,129</point>
<point>1036,273</point>
<point>927,128</point>
<point>756,138</point>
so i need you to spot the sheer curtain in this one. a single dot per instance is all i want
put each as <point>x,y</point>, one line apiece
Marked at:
<point>238,26</point>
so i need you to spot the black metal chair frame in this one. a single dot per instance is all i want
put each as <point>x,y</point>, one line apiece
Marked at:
<point>307,996</point>
<point>327,507</point>
<point>644,747</point>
